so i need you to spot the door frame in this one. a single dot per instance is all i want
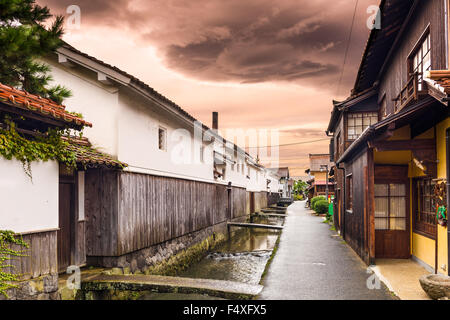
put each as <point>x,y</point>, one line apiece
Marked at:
<point>396,178</point>
<point>71,180</point>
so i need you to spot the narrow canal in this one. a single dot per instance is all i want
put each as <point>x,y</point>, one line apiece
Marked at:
<point>243,258</point>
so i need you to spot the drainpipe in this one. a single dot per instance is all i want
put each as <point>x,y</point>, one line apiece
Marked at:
<point>344,196</point>
<point>447,133</point>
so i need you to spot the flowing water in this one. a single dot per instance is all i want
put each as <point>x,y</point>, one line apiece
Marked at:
<point>243,258</point>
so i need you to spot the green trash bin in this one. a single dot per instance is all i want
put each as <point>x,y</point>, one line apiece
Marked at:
<point>331,207</point>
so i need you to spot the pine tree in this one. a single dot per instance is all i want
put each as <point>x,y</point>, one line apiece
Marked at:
<point>25,36</point>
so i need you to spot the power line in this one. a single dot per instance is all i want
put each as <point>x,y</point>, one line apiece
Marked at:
<point>348,47</point>
<point>290,144</point>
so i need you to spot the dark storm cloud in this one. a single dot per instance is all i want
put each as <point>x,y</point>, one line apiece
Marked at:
<point>241,41</point>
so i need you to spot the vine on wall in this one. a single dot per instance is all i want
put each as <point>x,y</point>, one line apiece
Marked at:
<point>41,147</point>
<point>7,279</point>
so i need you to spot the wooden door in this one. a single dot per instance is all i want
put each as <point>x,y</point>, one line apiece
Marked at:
<point>252,202</point>
<point>392,220</point>
<point>66,212</point>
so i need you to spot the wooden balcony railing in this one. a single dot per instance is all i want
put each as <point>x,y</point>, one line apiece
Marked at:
<point>409,93</point>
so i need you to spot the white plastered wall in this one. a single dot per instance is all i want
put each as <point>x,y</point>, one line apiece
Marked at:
<point>28,205</point>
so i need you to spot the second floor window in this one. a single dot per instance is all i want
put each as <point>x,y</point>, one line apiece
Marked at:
<point>421,61</point>
<point>358,122</point>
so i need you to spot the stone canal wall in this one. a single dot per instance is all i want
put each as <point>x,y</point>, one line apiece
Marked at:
<point>41,288</point>
<point>38,268</point>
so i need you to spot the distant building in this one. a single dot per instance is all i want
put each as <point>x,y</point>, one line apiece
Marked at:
<point>285,182</point>
<point>319,164</point>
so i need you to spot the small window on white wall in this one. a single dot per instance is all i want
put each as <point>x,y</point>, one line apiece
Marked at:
<point>162,139</point>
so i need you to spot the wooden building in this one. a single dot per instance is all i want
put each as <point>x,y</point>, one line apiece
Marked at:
<point>319,168</point>
<point>390,139</point>
<point>46,208</point>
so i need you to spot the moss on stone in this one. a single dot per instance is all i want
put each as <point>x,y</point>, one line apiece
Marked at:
<point>181,261</point>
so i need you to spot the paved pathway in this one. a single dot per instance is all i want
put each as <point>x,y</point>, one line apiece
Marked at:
<point>313,263</point>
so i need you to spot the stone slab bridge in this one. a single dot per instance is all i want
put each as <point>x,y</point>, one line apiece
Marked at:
<point>96,286</point>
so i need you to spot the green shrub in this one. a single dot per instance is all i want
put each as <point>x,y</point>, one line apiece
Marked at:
<point>321,207</point>
<point>298,197</point>
<point>315,200</point>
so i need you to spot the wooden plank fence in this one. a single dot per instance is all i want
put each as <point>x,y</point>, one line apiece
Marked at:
<point>126,212</point>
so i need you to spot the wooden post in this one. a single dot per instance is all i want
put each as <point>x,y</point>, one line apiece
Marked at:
<point>371,204</point>
<point>447,134</point>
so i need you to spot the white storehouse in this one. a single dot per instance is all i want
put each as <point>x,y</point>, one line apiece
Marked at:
<point>181,178</point>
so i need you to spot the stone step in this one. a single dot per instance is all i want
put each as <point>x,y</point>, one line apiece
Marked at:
<point>254,225</point>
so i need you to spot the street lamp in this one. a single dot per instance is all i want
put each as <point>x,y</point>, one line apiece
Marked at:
<point>322,168</point>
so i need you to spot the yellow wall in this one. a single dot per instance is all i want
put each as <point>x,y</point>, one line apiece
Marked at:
<point>422,247</point>
<point>442,174</point>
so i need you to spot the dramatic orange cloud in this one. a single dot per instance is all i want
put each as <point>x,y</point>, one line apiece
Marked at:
<point>259,63</point>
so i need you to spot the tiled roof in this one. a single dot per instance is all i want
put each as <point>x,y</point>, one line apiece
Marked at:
<point>90,157</point>
<point>134,80</point>
<point>45,107</point>
<point>442,77</point>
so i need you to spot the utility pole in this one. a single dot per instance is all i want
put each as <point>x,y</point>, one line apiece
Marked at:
<point>325,167</point>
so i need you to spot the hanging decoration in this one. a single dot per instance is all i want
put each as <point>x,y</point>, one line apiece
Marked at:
<point>440,195</point>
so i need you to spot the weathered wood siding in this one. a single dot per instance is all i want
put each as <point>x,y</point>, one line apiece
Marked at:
<point>356,221</point>
<point>272,198</point>
<point>430,12</point>
<point>260,201</point>
<point>101,212</point>
<point>239,203</point>
<point>127,212</point>
<point>41,257</point>
<point>80,244</point>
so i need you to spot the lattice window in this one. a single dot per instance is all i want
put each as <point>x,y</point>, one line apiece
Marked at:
<point>425,215</point>
<point>390,207</point>
<point>422,60</point>
<point>358,122</point>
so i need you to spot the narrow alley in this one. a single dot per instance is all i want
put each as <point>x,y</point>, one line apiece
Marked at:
<point>314,263</point>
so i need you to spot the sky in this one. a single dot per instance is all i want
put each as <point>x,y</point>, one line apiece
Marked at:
<point>263,65</point>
